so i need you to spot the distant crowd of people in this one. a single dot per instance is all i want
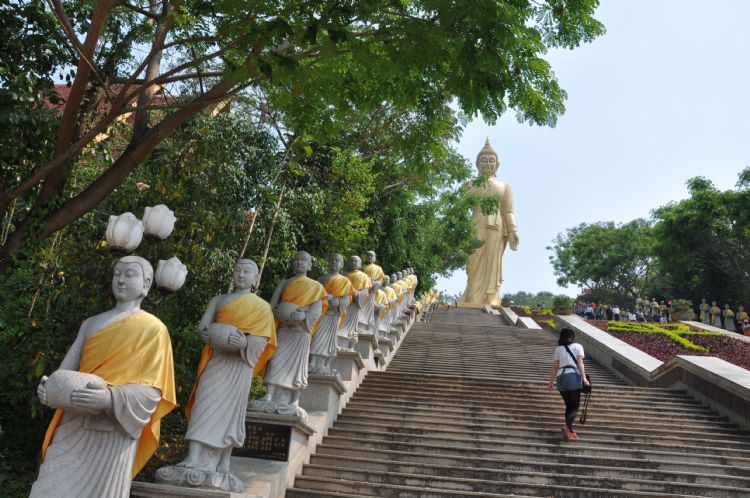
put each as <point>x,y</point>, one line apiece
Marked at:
<point>595,311</point>
<point>661,312</point>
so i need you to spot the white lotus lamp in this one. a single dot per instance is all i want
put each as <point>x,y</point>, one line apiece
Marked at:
<point>159,221</point>
<point>170,274</point>
<point>124,231</point>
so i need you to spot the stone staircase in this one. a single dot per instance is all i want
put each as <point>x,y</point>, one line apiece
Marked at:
<point>463,411</point>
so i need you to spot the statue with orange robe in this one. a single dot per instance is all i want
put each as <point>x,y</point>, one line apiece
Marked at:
<point>323,343</point>
<point>297,304</point>
<point>367,313</point>
<point>111,391</point>
<point>240,336</point>
<point>361,283</point>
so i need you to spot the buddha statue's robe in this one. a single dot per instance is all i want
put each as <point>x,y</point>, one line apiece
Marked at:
<point>381,299</point>
<point>98,455</point>
<point>367,311</point>
<point>705,316</point>
<point>217,405</point>
<point>728,320</point>
<point>374,271</point>
<point>742,316</point>
<point>392,299</point>
<point>716,316</point>
<point>288,366</point>
<point>340,292</point>
<point>360,281</point>
<point>485,268</point>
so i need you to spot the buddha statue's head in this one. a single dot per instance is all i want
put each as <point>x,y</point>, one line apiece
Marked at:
<point>387,280</point>
<point>336,262</point>
<point>393,278</point>
<point>487,160</point>
<point>370,257</point>
<point>245,274</point>
<point>131,279</point>
<point>302,262</point>
<point>355,263</point>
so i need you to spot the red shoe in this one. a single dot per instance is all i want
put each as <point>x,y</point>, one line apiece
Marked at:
<point>567,435</point>
<point>573,435</point>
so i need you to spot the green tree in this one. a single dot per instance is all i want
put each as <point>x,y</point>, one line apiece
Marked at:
<point>703,242</point>
<point>605,256</point>
<point>486,56</point>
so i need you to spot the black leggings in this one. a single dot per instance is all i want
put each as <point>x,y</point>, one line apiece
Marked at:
<point>572,402</point>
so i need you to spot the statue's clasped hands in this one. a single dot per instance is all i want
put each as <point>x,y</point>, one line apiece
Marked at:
<point>92,397</point>
<point>238,339</point>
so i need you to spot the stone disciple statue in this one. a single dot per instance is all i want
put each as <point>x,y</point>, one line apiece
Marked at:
<point>111,391</point>
<point>715,314</point>
<point>728,318</point>
<point>392,299</point>
<point>240,335</point>
<point>705,316</point>
<point>297,303</point>
<point>485,268</point>
<point>323,344</point>
<point>367,312</point>
<point>361,284</point>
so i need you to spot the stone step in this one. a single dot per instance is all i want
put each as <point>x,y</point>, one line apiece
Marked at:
<point>585,453</point>
<point>524,431</point>
<point>434,399</point>
<point>506,480</point>
<point>449,418</point>
<point>520,460</point>
<point>610,414</point>
<point>441,381</point>
<point>394,416</point>
<point>342,487</point>
<point>528,471</point>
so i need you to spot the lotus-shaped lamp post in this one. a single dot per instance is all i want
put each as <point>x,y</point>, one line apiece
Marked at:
<point>170,274</point>
<point>159,221</point>
<point>124,232</point>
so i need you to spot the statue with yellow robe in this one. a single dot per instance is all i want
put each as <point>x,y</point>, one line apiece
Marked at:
<point>240,335</point>
<point>705,316</point>
<point>715,315</point>
<point>361,283</point>
<point>323,344</point>
<point>297,304</point>
<point>111,391</point>
<point>367,311</point>
<point>497,230</point>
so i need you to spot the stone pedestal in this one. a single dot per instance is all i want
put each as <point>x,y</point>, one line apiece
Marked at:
<point>385,345</point>
<point>279,445</point>
<point>379,360</point>
<point>323,393</point>
<point>398,328</point>
<point>352,370</point>
<point>366,346</point>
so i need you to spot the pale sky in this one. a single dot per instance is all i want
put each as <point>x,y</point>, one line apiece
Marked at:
<point>662,97</point>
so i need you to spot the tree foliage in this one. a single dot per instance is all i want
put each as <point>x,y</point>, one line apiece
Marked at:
<point>605,255</point>
<point>703,242</point>
<point>321,59</point>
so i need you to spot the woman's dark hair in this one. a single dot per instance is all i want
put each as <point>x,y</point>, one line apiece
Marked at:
<point>567,336</point>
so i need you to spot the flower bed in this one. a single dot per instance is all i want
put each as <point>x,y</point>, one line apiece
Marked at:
<point>664,342</point>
